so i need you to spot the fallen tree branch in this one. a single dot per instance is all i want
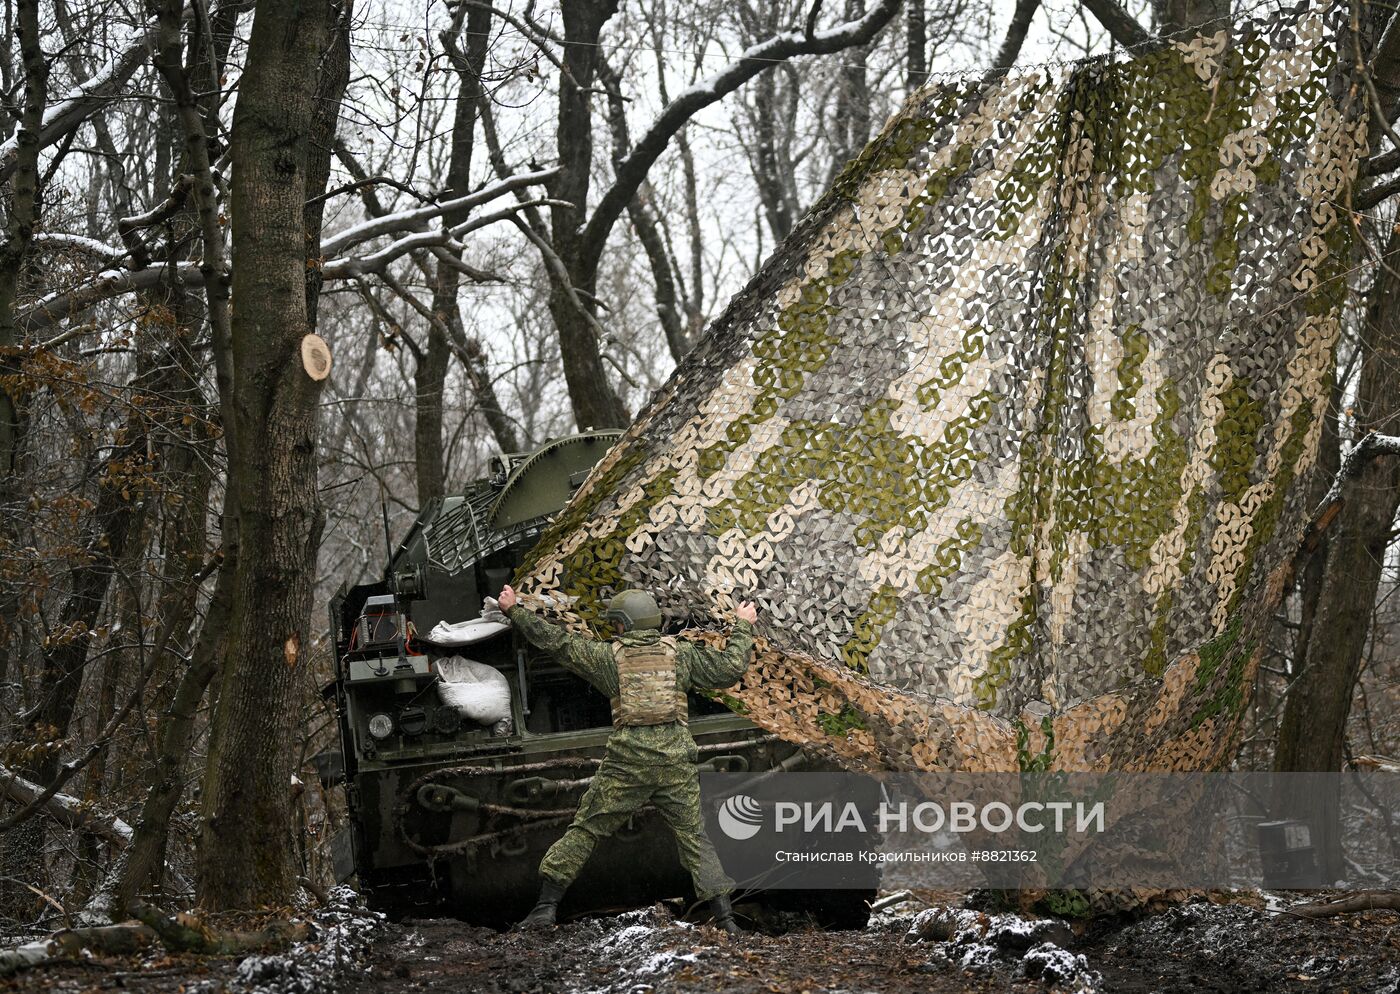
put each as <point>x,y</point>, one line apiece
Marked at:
<point>101,251</point>
<point>71,942</point>
<point>1352,903</point>
<point>890,900</point>
<point>449,238</point>
<point>64,808</point>
<point>184,933</point>
<point>360,184</point>
<point>417,218</point>
<point>316,891</point>
<point>413,224</point>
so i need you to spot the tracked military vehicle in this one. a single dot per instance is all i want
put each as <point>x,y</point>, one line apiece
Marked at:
<point>465,750</point>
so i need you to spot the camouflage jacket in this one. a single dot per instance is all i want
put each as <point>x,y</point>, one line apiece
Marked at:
<point>698,667</point>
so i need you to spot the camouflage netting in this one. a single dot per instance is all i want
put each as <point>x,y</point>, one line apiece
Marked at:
<point>1009,440</point>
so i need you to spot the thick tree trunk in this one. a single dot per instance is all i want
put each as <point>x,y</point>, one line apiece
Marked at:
<point>1312,732</point>
<point>245,845</point>
<point>429,380</point>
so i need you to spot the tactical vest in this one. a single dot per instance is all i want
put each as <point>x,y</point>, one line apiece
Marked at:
<point>646,680</point>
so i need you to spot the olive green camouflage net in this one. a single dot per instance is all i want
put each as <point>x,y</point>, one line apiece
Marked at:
<point>1009,441</point>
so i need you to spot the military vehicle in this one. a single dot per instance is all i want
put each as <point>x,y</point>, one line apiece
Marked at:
<point>451,815</point>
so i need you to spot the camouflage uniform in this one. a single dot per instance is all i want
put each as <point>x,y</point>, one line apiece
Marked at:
<point>644,763</point>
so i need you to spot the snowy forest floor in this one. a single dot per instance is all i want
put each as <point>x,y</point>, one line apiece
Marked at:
<point>1192,947</point>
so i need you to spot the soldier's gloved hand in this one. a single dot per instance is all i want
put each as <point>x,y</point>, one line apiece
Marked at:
<point>491,611</point>
<point>747,611</point>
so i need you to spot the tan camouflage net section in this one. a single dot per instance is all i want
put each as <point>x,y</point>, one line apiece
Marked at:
<point>1008,440</point>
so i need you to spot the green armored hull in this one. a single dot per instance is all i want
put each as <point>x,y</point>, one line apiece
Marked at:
<point>451,815</point>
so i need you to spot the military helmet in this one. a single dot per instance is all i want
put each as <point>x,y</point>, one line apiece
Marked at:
<point>635,609</point>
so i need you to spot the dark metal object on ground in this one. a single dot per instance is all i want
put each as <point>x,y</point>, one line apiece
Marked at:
<point>1288,856</point>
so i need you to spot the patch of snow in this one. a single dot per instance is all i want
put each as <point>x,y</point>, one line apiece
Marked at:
<point>643,947</point>
<point>971,940</point>
<point>340,936</point>
<point>627,936</point>
<point>976,956</point>
<point>666,961</point>
<point>1058,967</point>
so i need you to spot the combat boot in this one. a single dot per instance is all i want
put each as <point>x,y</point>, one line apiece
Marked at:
<point>546,908</point>
<point>723,913</point>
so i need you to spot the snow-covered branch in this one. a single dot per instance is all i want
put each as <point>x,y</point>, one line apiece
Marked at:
<point>632,170</point>
<point>101,251</point>
<point>448,238</point>
<point>56,307</point>
<point>86,98</point>
<point>1367,448</point>
<point>417,219</point>
<point>113,282</point>
<point>64,808</point>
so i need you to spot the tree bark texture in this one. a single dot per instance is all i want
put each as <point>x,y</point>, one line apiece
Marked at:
<point>244,858</point>
<point>23,212</point>
<point>916,45</point>
<point>595,403</point>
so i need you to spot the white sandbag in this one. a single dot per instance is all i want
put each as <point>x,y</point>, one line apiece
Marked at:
<point>479,691</point>
<point>467,632</point>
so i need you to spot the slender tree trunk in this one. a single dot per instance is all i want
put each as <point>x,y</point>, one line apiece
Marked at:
<point>595,403</point>
<point>146,853</point>
<point>22,848</point>
<point>768,173</point>
<point>245,844</point>
<point>23,211</point>
<point>916,46</point>
<point>852,117</point>
<point>119,515</point>
<point>639,212</point>
<point>430,377</point>
<point>1312,734</point>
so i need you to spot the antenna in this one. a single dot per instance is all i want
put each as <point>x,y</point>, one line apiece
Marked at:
<point>388,542</point>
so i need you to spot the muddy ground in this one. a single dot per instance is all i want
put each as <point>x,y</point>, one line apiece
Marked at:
<point>1193,947</point>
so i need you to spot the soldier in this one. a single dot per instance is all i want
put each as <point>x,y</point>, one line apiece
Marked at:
<point>650,755</point>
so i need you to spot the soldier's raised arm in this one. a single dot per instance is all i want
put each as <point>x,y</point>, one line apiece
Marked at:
<point>585,657</point>
<point>711,669</point>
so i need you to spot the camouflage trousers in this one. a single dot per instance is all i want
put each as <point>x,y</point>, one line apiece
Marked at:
<point>615,795</point>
